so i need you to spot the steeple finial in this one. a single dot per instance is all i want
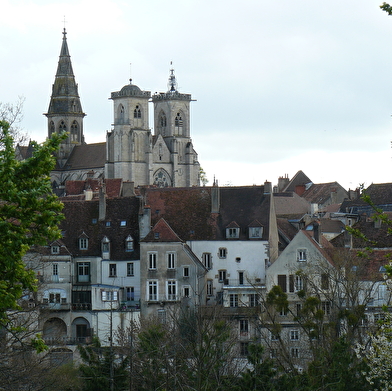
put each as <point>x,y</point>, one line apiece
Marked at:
<point>172,85</point>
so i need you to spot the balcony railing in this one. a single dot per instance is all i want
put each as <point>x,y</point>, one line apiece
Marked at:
<point>245,282</point>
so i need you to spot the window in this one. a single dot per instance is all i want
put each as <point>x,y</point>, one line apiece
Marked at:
<point>244,327</point>
<point>222,252</point>
<point>244,348</point>
<point>255,232</point>
<point>55,272</point>
<point>83,243</point>
<point>129,243</point>
<point>253,300</point>
<point>241,278</point>
<point>161,316</point>
<point>233,300</point>
<point>74,131</point>
<point>282,282</point>
<point>294,352</point>
<point>109,295</point>
<point>326,307</point>
<point>299,283</point>
<point>284,311</point>
<point>324,281</point>
<point>294,335</point>
<point>301,255</point>
<point>222,275</point>
<point>112,270</point>
<point>130,293</point>
<point>273,353</point>
<point>186,289</point>
<point>152,290</point>
<point>185,272</point>
<point>170,260</point>
<point>108,224</point>
<point>274,336</point>
<point>123,223</point>
<point>171,290</point>
<point>152,261</point>
<point>83,271</point>
<point>137,112</point>
<point>54,298</point>
<point>55,249</point>
<point>206,258</point>
<point>105,245</point>
<point>210,288</point>
<point>130,269</point>
<point>232,233</point>
<point>156,235</point>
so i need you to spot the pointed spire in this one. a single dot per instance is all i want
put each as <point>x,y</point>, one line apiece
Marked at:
<point>65,97</point>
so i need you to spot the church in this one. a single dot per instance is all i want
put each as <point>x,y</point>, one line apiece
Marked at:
<point>132,152</point>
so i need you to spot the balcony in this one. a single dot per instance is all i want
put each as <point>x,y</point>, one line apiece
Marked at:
<point>257,283</point>
<point>81,306</point>
<point>55,306</point>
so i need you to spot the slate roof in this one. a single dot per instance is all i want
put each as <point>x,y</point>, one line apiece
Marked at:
<point>188,210</point>
<point>83,217</point>
<point>320,193</point>
<point>380,194</point>
<point>86,156</point>
<point>290,203</point>
<point>299,179</point>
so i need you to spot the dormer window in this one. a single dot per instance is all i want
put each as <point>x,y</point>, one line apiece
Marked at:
<point>255,232</point>
<point>129,243</point>
<point>105,247</point>
<point>83,242</point>
<point>232,233</point>
<point>55,249</point>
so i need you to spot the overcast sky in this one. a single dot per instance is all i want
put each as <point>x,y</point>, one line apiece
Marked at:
<point>280,86</point>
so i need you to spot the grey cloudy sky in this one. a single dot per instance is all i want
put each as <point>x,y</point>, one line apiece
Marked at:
<point>280,86</point>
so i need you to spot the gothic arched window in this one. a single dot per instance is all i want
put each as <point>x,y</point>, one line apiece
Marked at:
<point>62,127</point>
<point>162,122</point>
<point>121,114</point>
<point>178,123</point>
<point>137,112</point>
<point>51,128</point>
<point>74,131</point>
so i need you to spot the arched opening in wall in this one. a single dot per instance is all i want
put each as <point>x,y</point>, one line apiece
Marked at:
<point>54,332</point>
<point>62,127</point>
<point>179,124</point>
<point>81,332</point>
<point>137,113</point>
<point>74,132</point>
<point>121,114</point>
<point>162,178</point>
<point>162,123</point>
<point>51,128</point>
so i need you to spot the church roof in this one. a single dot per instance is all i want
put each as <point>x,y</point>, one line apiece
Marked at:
<point>87,156</point>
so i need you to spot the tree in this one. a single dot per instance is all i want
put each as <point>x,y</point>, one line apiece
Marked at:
<point>12,113</point>
<point>29,214</point>
<point>387,8</point>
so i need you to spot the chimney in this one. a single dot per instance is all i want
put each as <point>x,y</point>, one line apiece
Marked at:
<point>102,204</point>
<point>215,198</point>
<point>316,231</point>
<point>267,187</point>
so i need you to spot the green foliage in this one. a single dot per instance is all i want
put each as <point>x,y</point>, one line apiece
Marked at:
<point>387,8</point>
<point>29,214</point>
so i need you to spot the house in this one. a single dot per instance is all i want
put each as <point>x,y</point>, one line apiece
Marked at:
<point>172,277</point>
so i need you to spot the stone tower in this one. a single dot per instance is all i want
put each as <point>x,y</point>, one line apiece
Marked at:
<point>165,159</point>
<point>172,124</point>
<point>128,146</point>
<point>65,110</point>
